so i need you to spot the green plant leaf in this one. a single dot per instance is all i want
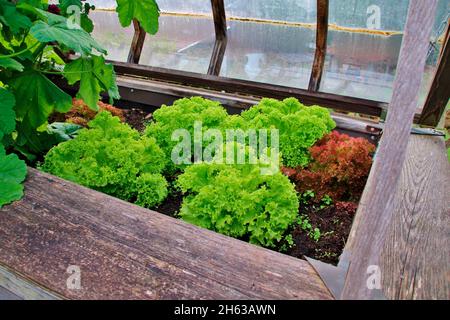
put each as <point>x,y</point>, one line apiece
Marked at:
<point>59,29</point>
<point>9,63</point>
<point>86,23</point>
<point>238,201</point>
<point>37,97</point>
<point>39,4</point>
<point>12,173</point>
<point>64,131</point>
<point>145,11</point>
<point>113,158</point>
<point>7,114</point>
<point>95,76</point>
<point>64,4</point>
<point>13,18</point>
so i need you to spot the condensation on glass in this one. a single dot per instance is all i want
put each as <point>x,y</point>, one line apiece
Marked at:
<point>273,41</point>
<point>436,42</point>
<point>362,61</point>
<point>108,31</point>
<point>270,41</point>
<point>185,39</point>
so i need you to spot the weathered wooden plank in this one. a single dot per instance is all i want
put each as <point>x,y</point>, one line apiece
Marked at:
<point>150,95</point>
<point>321,45</point>
<point>416,254</point>
<point>127,252</point>
<point>137,44</point>
<point>377,211</point>
<point>19,288</point>
<point>7,295</point>
<point>229,85</point>
<point>158,93</point>
<point>439,93</point>
<point>220,45</point>
<point>415,257</point>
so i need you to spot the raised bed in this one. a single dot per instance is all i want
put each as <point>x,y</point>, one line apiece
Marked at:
<point>125,251</point>
<point>399,238</point>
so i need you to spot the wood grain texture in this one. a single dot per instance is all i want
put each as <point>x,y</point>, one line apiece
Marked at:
<point>415,257</point>
<point>137,43</point>
<point>7,295</point>
<point>143,91</point>
<point>22,288</point>
<point>220,45</point>
<point>149,95</point>
<point>321,45</point>
<point>439,93</point>
<point>416,254</point>
<point>234,86</point>
<point>377,212</point>
<point>127,252</point>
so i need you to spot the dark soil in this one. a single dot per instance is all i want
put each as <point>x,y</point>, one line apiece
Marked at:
<point>171,206</point>
<point>137,118</point>
<point>334,223</point>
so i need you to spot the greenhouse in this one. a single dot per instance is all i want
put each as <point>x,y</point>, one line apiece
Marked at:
<point>224,150</point>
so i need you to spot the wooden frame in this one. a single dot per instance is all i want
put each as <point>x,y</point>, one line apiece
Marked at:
<point>376,210</point>
<point>113,237</point>
<point>220,45</point>
<point>350,104</point>
<point>432,110</point>
<point>321,45</point>
<point>137,44</point>
<point>128,252</point>
<point>439,93</point>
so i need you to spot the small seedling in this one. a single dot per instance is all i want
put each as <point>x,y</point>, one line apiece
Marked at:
<point>326,254</point>
<point>289,243</point>
<point>306,197</point>
<point>326,202</point>
<point>306,225</point>
<point>315,234</point>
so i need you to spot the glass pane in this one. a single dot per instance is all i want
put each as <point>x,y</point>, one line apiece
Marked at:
<point>103,4</point>
<point>364,44</point>
<point>369,14</point>
<point>363,47</point>
<point>185,39</point>
<point>437,40</point>
<point>185,6</point>
<point>271,41</point>
<point>108,31</point>
<point>279,10</point>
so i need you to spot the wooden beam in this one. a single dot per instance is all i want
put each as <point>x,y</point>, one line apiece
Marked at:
<point>149,95</point>
<point>137,44</point>
<point>153,94</point>
<point>123,251</point>
<point>220,45</point>
<point>230,85</point>
<point>376,211</point>
<point>439,93</point>
<point>22,288</point>
<point>321,45</point>
<point>416,254</point>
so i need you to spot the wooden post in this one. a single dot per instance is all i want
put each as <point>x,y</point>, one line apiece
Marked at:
<point>137,44</point>
<point>375,211</point>
<point>220,26</point>
<point>439,93</point>
<point>321,45</point>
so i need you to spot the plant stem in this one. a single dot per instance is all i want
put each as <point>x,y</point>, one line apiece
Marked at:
<point>15,54</point>
<point>63,72</point>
